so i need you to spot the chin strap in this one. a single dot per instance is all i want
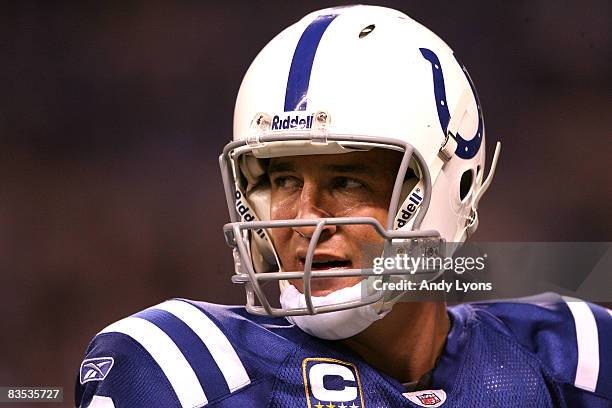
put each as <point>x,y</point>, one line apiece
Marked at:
<point>472,220</point>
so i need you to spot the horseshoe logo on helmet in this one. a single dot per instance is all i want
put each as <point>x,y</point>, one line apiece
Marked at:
<point>466,148</point>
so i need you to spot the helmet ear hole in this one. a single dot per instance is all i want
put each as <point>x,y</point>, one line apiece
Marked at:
<point>465,185</point>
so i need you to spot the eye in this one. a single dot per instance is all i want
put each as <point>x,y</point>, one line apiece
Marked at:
<point>347,183</point>
<point>286,182</point>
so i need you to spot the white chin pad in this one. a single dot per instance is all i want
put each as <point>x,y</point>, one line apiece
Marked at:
<point>332,325</point>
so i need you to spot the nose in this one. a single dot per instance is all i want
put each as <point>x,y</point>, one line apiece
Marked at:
<point>312,206</point>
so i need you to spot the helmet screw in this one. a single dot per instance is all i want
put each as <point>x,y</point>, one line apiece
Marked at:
<point>262,121</point>
<point>321,117</point>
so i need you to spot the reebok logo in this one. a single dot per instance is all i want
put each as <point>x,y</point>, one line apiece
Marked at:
<point>95,369</point>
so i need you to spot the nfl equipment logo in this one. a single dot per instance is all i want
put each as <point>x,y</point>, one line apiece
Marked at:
<point>428,399</point>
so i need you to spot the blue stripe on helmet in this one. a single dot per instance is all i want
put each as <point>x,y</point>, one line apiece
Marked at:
<point>301,65</point>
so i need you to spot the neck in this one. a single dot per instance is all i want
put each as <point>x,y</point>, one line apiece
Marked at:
<point>407,342</point>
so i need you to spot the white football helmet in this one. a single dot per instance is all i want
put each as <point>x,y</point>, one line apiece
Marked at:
<point>351,79</point>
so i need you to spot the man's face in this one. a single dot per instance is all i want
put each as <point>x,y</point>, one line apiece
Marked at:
<point>355,184</point>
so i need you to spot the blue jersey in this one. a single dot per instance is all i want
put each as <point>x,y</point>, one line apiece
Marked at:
<point>545,352</point>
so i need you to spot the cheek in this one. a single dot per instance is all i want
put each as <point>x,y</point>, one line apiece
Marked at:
<point>378,213</point>
<point>282,206</point>
<point>280,236</point>
<point>280,239</point>
<point>365,241</point>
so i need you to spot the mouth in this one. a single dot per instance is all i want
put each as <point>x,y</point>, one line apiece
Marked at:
<point>324,262</point>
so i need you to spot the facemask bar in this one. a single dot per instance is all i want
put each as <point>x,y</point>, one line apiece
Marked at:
<point>235,237</point>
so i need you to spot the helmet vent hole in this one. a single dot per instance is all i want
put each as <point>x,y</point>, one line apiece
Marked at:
<point>465,184</point>
<point>367,31</point>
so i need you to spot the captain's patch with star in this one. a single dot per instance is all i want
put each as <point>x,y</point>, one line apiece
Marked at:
<point>331,383</point>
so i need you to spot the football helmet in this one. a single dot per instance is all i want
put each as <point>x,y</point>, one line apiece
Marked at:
<point>351,79</point>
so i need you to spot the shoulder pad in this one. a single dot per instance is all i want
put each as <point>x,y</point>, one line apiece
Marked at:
<point>174,353</point>
<point>570,337</point>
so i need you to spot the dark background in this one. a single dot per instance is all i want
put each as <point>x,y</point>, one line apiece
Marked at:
<point>112,117</point>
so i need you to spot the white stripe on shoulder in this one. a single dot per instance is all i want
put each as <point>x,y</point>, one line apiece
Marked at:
<point>101,402</point>
<point>587,338</point>
<point>217,344</point>
<point>163,350</point>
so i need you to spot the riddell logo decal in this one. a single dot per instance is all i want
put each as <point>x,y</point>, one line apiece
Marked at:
<point>246,213</point>
<point>414,201</point>
<point>427,398</point>
<point>296,120</point>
